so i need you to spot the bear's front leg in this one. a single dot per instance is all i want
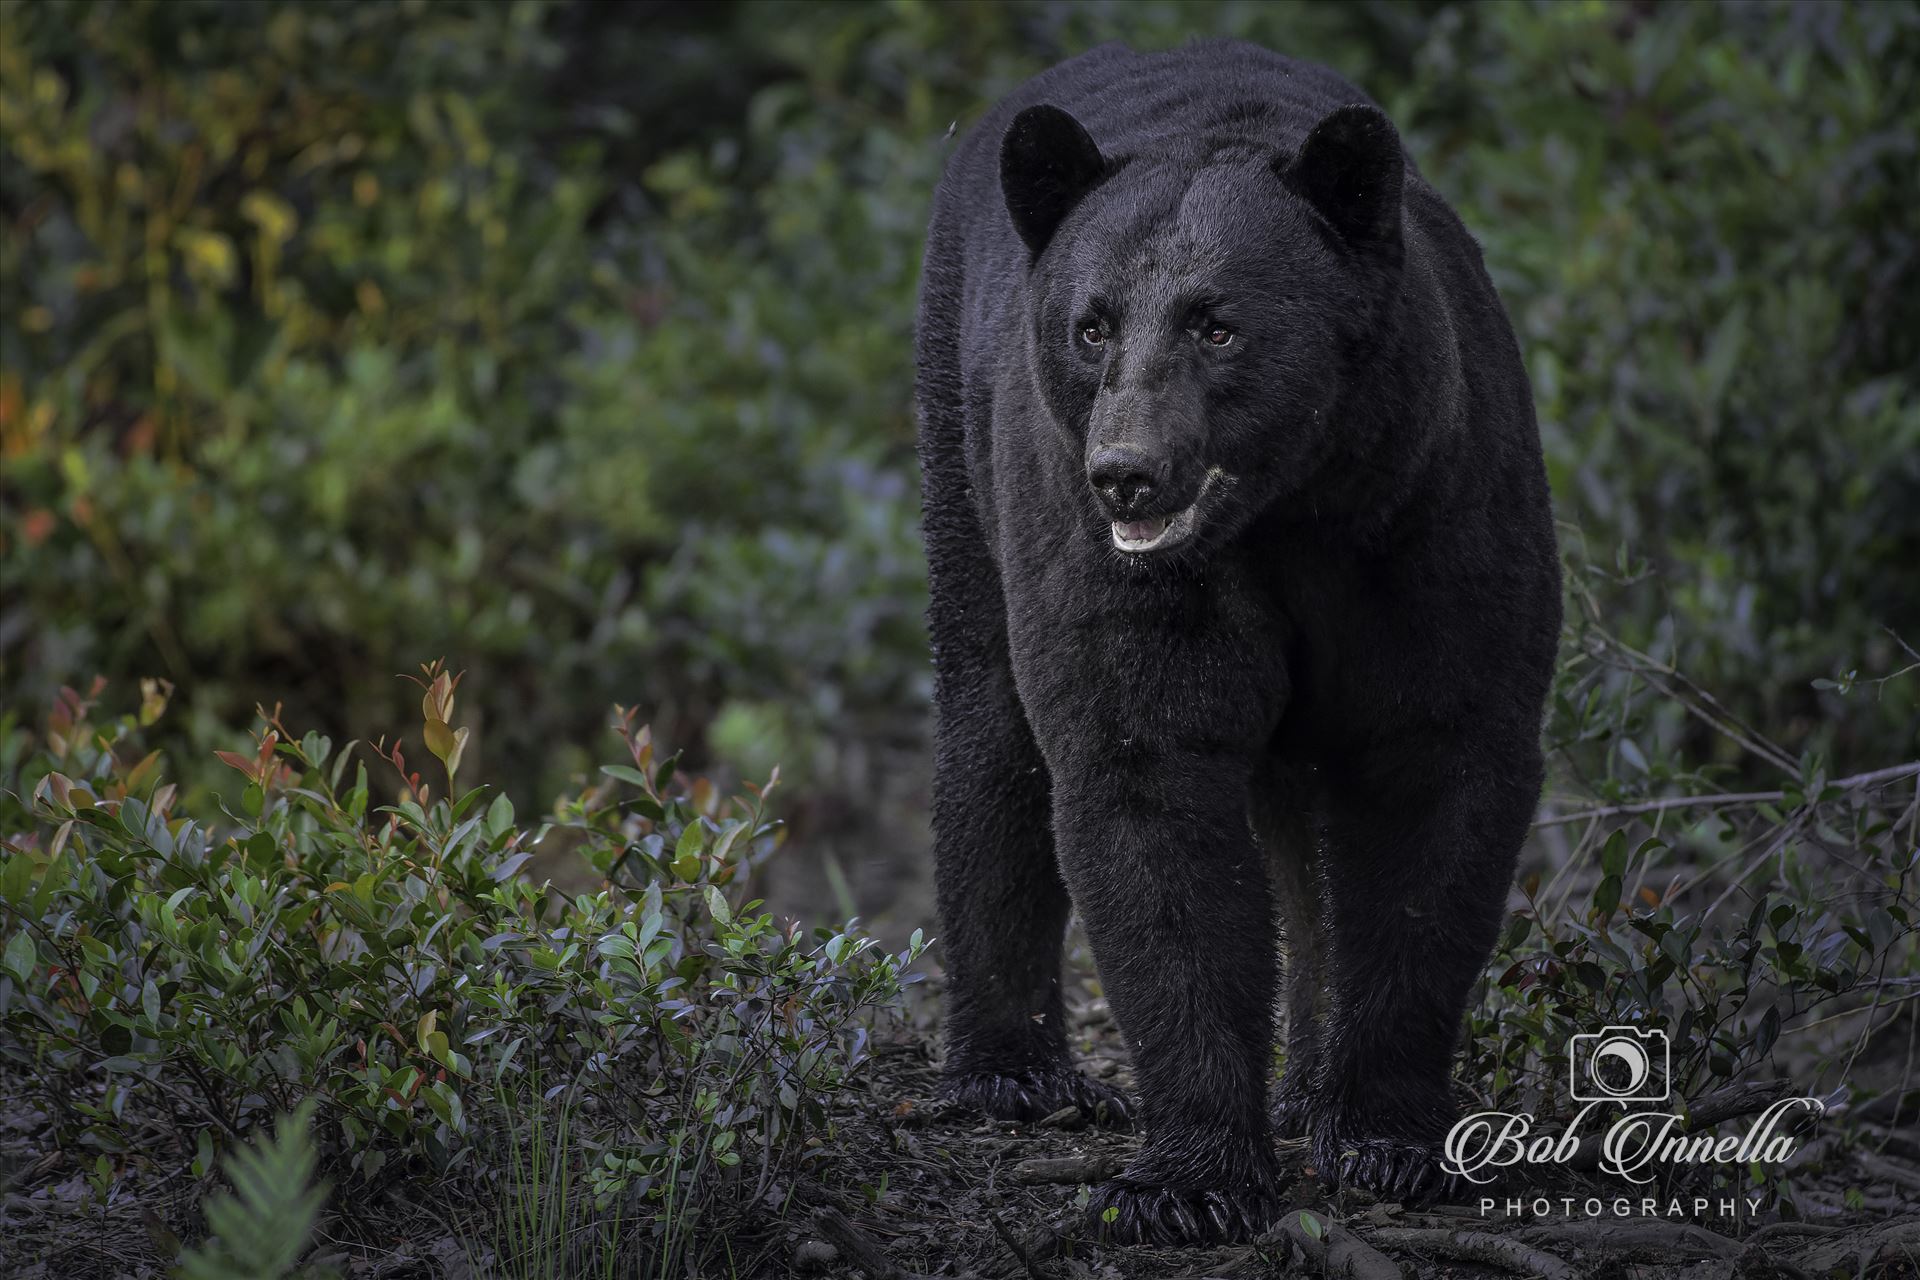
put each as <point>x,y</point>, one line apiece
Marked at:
<point>1174,897</point>
<point>1003,907</point>
<point>1418,860</point>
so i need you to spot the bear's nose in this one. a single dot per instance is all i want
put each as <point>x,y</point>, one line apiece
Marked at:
<point>1124,477</point>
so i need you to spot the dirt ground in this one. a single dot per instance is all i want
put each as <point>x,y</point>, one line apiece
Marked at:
<point>916,1189</point>
<point>905,1186</point>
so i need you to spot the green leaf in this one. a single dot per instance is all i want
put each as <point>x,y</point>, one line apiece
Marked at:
<point>499,817</point>
<point>1880,928</point>
<point>203,1153</point>
<point>1613,855</point>
<point>686,854</point>
<point>439,736</point>
<point>1606,896</point>
<point>21,957</point>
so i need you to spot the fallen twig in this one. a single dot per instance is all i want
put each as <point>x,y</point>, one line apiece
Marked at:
<point>1476,1246</point>
<point>1096,1167</point>
<point>1018,1250</point>
<point>1730,1103</point>
<point>1880,1167</point>
<point>1336,1251</point>
<point>1775,1230</point>
<point>1892,1142</point>
<point>1857,1250</point>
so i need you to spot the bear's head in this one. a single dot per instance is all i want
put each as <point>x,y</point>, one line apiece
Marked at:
<point>1196,312</point>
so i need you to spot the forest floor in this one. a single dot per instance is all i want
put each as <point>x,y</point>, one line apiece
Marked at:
<point>918,1189</point>
<point>906,1186</point>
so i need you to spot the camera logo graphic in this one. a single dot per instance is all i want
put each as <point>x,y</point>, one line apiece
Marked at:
<point>1619,1064</point>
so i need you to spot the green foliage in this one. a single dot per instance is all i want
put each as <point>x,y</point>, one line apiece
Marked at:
<point>1695,215</point>
<point>1740,923</point>
<point>333,333</point>
<point>261,1231</point>
<point>321,348</point>
<point>208,972</point>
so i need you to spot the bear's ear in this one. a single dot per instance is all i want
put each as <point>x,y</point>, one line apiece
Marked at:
<point>1047,164</point>
<point>1351,169</point>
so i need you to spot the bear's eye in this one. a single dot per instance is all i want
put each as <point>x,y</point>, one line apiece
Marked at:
<point>1219,336</point>
<point>1092,336</point>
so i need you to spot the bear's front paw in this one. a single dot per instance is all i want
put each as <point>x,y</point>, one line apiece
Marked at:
<point>1037,1093</point>
<point>1126,1211</point>
<point>1395,1169</point>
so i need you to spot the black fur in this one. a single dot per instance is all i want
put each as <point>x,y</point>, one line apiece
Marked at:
<point>1322,706</point>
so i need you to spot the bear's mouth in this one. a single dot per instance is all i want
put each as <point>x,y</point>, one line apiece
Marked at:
<point>1156,533</point>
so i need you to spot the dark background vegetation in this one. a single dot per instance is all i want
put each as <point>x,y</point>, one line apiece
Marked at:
<point>571,342</point>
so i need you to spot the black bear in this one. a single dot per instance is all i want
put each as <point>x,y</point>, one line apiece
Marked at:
<point>1245,600</point>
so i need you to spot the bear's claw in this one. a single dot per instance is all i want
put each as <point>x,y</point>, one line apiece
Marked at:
<point>1146,1213</point>
<point>1409,1172</point>
<point>1035,1094</point>
<point>1292,1111</point>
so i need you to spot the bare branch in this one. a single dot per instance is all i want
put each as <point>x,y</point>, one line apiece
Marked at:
<point>1735,799</point>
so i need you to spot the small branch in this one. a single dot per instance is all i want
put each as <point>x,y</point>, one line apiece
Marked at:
<point>1476,1246</point>
<point>1096,1167</point>
<point>1730,1103</point>
<point>1853,1250</point>
<point>1665,1240</point>
<point>1016,1248</point>
<point>1888,1171</point>
<point>1780,1230</point>
<point>1732,799</point>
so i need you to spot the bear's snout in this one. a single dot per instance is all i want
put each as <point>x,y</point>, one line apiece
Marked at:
<point>1142,498</point>
<point>1126,479</point>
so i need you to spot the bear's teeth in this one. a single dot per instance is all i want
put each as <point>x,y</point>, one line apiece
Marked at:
<point>1138,531</point>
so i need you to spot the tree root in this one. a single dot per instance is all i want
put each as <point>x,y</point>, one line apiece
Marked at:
<point>1476,1246</point>
<point>1666,1241</point>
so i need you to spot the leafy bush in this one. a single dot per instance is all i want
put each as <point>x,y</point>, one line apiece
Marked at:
<point>203,974</point>
<point>1741,923</point>
<point>334,334</point>
<point>1694,214</point>
<point>320,349</point>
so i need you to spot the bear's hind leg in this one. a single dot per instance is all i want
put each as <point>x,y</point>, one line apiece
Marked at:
<point>1282,811</point>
